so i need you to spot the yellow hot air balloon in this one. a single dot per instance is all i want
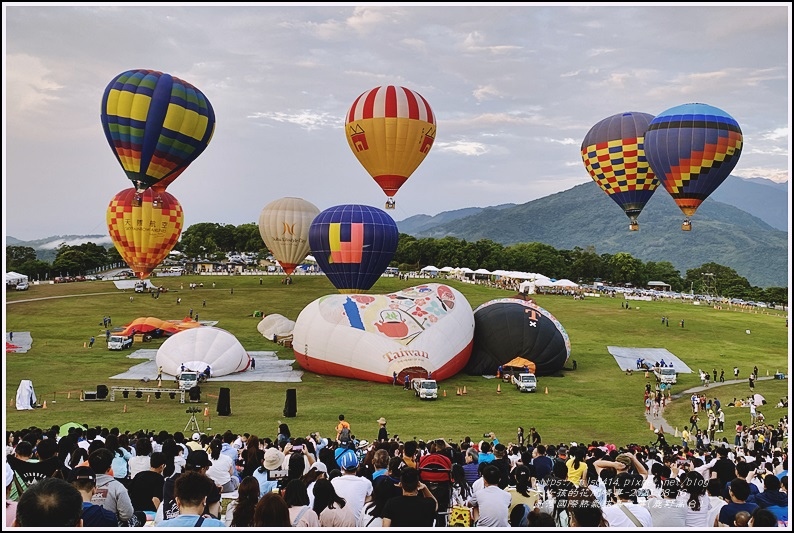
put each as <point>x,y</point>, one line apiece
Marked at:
<point>390,130</point>
<point>144,227</point>
<point>284,226</point>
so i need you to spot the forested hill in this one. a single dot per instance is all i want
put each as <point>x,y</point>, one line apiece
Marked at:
<point>584,216</point>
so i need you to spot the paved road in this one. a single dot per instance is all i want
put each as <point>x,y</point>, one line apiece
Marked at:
<point>668,429</point>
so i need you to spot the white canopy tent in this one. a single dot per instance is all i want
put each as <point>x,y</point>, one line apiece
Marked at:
<point>446,269</point>
<point>14,278</point>
<point>429,268</point>
<point>565,283</point>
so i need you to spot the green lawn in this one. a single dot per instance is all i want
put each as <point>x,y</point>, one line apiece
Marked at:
<point>595,402</point>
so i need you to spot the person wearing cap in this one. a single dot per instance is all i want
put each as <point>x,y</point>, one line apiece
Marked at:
<point>197,462</point>
<point>195,443</point>
<point>318,470</point>
<point>354,489</point>
<point>272,460</point>
<point>410,509</point>
<point>191,491</point>
<point>52,502</point>
<point>383,435</point>
<point>83,479</point>
<point>110,492</point>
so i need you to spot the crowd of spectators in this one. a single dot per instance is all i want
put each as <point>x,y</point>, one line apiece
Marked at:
<point>100,477</point>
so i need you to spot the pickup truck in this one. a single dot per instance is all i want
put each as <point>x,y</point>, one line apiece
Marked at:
<point>119,342</point>
<point>525,382</point>
<point>425,389</point>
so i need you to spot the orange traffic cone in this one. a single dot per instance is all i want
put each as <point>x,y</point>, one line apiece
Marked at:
<point>148,398</point>
<point>85,345</point>
<point>159,382</point>
<point>650,426</point>
<point>125,408</point>
<point>464,389</point>
<point>445,393</point>
<point>458,392</point>
<point>206,411</point>
<point>45,405</point>
<point>547,390</point>
<point>499,389</point>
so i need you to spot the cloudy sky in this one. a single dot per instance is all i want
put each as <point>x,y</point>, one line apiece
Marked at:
<point>515,88</point>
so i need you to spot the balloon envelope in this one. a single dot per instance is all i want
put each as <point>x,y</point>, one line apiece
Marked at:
<point>353,245</point>
<point>156,125</point>
<point>284,227</point>
<point>614,156</point>
<point>692,149</point>
<point>427,328</point>
<point>200,347</point>
<point>506,328</point>
<point>144,232</point>
<point>390,130</point>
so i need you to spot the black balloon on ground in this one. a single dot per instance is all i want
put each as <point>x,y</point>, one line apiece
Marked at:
<point>507,328</point>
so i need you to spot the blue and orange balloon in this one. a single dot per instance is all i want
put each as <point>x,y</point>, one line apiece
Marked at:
<point>692,149</point>
<point>353,244</point>
<point>614,156</point>
<point>156,125</point>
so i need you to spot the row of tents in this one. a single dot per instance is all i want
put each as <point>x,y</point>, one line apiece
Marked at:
<point>539,280</point>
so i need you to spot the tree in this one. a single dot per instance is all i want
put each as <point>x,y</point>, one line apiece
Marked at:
<point>627,269</point>
<point>727,281</point>
<point>17,255</point>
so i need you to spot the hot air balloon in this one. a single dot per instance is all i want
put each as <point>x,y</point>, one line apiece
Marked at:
<point>390,130</point>
<point>284,226</point>
<point>156,125</point>
<point>417,330</point>
<point>506,328</point>
<point>144,231</point>
<point>353,245</point>
<point>692,149</point>
<point>614,156</point>
<point>203,347</point>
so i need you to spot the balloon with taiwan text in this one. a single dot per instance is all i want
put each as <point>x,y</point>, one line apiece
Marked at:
<point>144,227</point>
<point>353,244</point>
<point>692,149</point>
<point>390,129</point>
<point>156,124</point>
<point>614,156</point>
<point>284,227</point>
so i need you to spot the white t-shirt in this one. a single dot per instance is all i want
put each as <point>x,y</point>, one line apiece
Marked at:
<point>354,490</point>
<point>221,470</point>
<point>139,463</point>
<point>493,504</point>
<point>617,518</point>
<point>308,518</point>
<point>697,518</point>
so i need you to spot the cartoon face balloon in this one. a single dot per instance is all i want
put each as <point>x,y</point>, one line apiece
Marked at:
<point>353,245</point>
<point>614,156</point>
<point>692,149</point>
<point>284,227</point>
<point>156,125</point>
<point>390,130</point>
<point>144,227</point>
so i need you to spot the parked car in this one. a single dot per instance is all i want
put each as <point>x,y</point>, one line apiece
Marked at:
<point>22,286</point>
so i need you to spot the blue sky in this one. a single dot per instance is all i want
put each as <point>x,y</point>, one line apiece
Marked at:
<point>515,88</point>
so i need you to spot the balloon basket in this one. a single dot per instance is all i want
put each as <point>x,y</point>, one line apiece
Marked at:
<point>634,226</point>
<point>686,226</point>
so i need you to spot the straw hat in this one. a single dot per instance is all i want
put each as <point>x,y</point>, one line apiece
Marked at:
<point>273,459</point>
<point>381,420</point>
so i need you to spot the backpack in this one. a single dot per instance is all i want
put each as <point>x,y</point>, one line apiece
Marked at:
<point>344,435</point>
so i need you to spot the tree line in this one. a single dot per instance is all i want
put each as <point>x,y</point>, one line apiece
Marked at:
<point>212,241</point>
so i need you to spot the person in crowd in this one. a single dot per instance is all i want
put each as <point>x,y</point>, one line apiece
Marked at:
<point>763,518</point>
<point>410,509</point>
<point>372,513</point>
<point>520,488</point>
<point>355,490</point>
<point>739,491</point>
<point>140,462</point>
<point>271,511</point>
<point>331,509</point>
<point>252,456</point>
<point>146,488</point>
<point>297,499</point>
<point>577,468</point>
<point>491,504</point>
<point>584,510</point>
<point>272,460</point>
<point>240,511</point>
<point>667,511</point>
<point>191,490</point>
<point>772,498</point>
<point>120,458</point>
<point>222,469</point>
<point>197,462</point>
<point>84,479</point>
<point>110,493</point>
<point>626,512</point>
<point>51,502</point>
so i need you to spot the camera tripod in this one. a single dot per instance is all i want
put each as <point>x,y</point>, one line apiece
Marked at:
<point>192,424</point>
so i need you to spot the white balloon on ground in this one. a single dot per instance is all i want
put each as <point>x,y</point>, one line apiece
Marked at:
<point>198,348</point>
<point>275,324</point>
<point>427,328</point>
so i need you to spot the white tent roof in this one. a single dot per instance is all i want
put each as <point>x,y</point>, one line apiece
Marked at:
<point>465,270</point>
<point>565,283</point>
<point>15,277</point>
<point>446,269</point>
<point>545,282</point>
<point>429,268</point>
<point>482,271</point>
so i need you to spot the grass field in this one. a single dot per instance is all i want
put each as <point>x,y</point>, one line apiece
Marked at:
<point>595,402</point>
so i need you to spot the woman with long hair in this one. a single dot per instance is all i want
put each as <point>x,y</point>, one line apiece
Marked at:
<point>693,492</point>
<point>222,469</point>
<point>271,511</point>
<point>252,456</point>
<point>120,458</point>
<point>520,488</point>
<point>577,468</point>
<point>584,510</point>
<point>331,508</point>
<point>372,512</point>
<point>140,462</point>
<point>300,512</point>
<point>283,435</point>
<point>461,488</point>
<point>240,512</point>
<point>174,461</point>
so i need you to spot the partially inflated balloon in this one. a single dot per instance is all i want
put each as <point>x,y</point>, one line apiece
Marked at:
<point>144,227</point>
<point>353,245</point>
<point>390,130</point>
<point>284,226</point>
<point>156,125</point>
<point>692,149</point>
<point>614,155</point>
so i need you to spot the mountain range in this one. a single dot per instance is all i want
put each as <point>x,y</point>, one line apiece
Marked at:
<point>743,225</point>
